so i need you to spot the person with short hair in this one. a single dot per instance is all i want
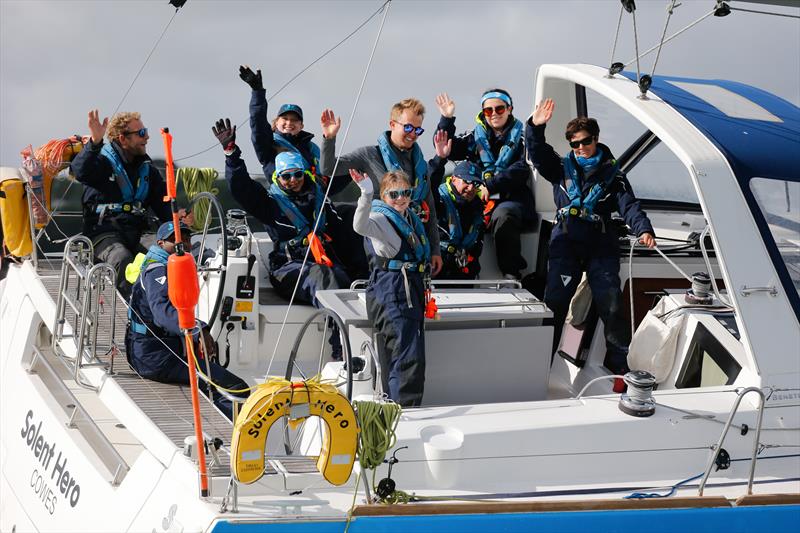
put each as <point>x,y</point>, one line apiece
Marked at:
<point>461,219</point>
<point>588,187</point>
<point>289,210</point>
<point>120,185</point>
<point>396,149</point>
<point>395,294</point>
<point>495,144</point>
<point>153,340</point>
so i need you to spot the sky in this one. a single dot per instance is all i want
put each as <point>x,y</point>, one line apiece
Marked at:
<point>59,59</point>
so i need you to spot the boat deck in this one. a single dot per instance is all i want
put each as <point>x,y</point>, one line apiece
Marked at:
<point>169,406</point>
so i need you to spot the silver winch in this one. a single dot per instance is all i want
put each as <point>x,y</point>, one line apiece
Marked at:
<point>638,401</point>
<point>700,293</point>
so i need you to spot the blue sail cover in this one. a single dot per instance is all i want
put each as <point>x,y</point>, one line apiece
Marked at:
<point>754,148</point>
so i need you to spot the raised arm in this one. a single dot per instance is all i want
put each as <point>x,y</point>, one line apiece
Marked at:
<point>543,157</point>
<point>385,240</point>
<point>88,167</point>
<point>261,133</point>
<point>447,123</point>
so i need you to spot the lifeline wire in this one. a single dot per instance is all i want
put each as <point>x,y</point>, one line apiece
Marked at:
<point>276,93</point>
<point>330,182</point>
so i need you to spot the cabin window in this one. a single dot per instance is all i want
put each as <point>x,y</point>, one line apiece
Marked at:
<point>659,175</point>
<point>708,363</point>
<point>779,202</point>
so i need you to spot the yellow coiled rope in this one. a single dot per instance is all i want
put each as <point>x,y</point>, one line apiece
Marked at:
<point>195,181</point>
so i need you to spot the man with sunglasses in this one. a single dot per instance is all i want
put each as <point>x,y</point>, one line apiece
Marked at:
<point>396,149</point>
<point>496,145</point>
<point>461,222</point>
<point>289,209</point>
<point>588,187</point>
<point>120,184</point>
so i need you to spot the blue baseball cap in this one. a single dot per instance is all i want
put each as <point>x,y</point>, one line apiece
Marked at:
<point>468,171</point>
<point>288,160</point>
<point>166,230</point>
<point>291,108</point>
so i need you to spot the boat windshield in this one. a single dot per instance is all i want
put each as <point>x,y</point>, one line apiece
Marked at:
<point>658,174</point>
<point>779,203</point>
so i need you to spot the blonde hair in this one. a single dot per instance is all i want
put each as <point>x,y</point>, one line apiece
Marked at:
<point>411,104</point>
<point>393,178</point>
<point>119,123</point>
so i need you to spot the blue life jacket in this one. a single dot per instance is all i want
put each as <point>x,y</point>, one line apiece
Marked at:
<point>417,254</point>
<point>312,147</point>
<point>129,196</point>
<point>293,213</point>
<point>511,142</point>
<point>420,178</point>
<point>155,257</point>
<point>579,205</point>
<point>457,239</point>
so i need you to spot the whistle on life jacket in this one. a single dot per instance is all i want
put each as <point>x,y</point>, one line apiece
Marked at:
<point>317,250</point>
<point>431,309</point>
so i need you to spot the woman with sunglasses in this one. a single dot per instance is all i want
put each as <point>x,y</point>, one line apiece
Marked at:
<point>588,187</point>
<point>289,210</point>
<point>396,289</point>
<point>495,144</point>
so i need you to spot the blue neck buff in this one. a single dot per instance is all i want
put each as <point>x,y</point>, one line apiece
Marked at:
<point>589,164</point>
<point>156,254</point>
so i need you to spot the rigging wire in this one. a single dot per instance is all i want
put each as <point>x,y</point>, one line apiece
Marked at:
<point>145,62</point>
<point>293,78</point>
<point>765,12</point>
<point>385,7</point>
<point>668,39</point>
<point>616,35</point>
<point>670,10</point>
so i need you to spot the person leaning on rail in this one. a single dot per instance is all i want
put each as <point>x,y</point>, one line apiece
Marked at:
<point>396,149</point>
<point>289,210</point>
<point>154,343</point>
<point>495,144</point>
<point>120,184</point>
<point>588,187</point>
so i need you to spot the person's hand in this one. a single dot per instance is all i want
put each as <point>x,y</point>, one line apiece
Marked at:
<point>647,239</point>
<point>225,134</point>
<point>253,79</point>
<point>436,265</point>
<point>97,128</point>
<point>187,217</point>
<point>483,192</point>
<point>363,181</point>
<point>329,123</point>
<point>543,112</point>
<point>447,107</point>
<point>442,144</point>
<point>210,351</point>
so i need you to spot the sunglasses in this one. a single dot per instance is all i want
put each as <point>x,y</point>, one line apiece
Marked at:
<point>394,194</point>
<point>470,182</point>
<point>489,111</point>
<point>586,141</point>
<point>292,175</point>
<point>408,128</point>
<point>141,133</point>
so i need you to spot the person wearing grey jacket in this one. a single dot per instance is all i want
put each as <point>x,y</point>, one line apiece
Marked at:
<point>396,149</point>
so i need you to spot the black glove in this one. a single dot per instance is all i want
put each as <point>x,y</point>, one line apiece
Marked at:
<point>253,79</point>
<point>225,134</point>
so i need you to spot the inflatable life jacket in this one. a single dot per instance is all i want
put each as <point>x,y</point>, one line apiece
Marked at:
<point>420,177</point>
<point>283,142</point>
<point>457,240</point>
<point>580,205</point>
<point>131,199</point>
<point>511,142</point>
<point>297,400</point>
<point>417,253</point>
<point>14,213</point>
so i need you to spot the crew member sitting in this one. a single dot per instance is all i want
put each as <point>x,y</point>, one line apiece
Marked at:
<point>495,144</point>
<point>289,210</point>
<point>120,184</point>
<point>588,187</point>
<point>396,290</point>
<point>461,222</point>
<point>153,340</point>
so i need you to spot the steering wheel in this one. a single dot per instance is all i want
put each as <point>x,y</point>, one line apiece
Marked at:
<point>212,202</point>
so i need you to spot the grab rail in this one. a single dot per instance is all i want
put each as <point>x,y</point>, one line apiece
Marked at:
<point>497,283</point>
<point>718,446</point>
<point>90,280</point>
